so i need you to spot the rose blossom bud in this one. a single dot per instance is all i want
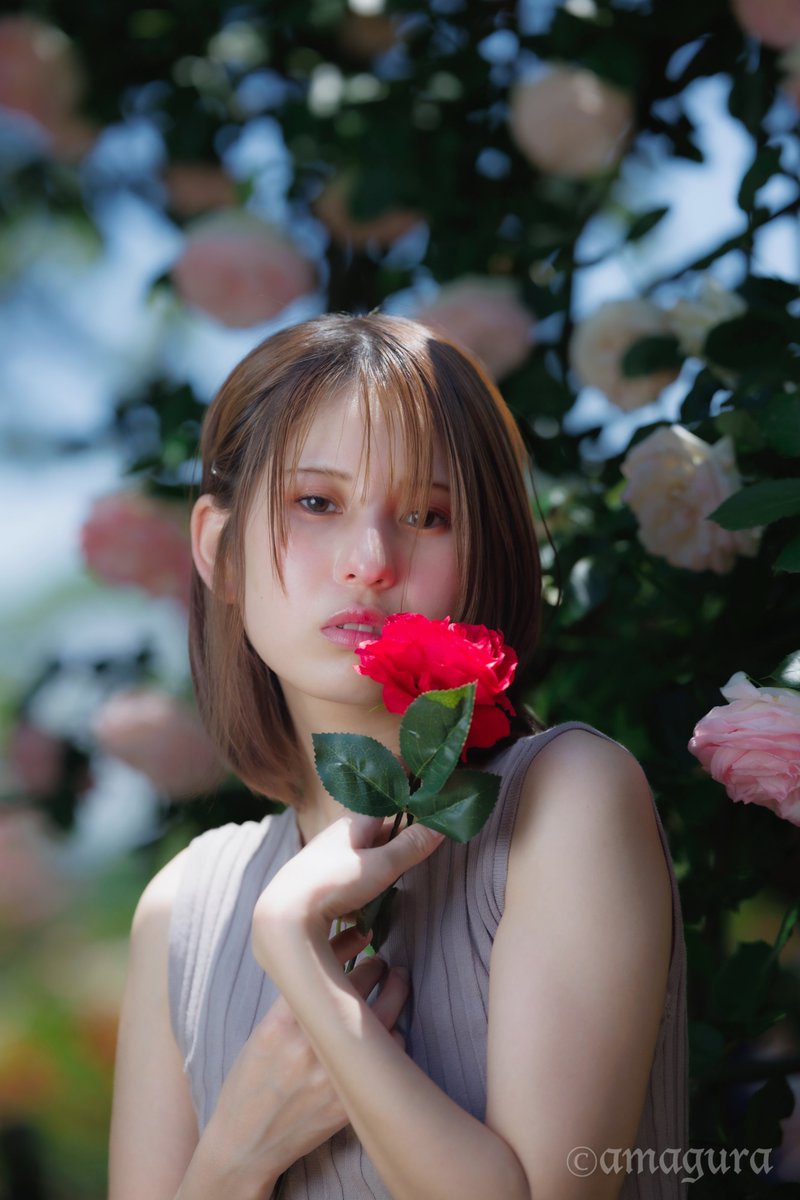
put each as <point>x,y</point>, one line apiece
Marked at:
<point>570,122</point>
<point>129,538</point>
<point>776,23</point>
<point>599,344</point>
<point>240,270</point>
<point>752,745</point>
<point>485,316</point>
<point>39,78</point>
<point>693,320</point>
<point>332,207</point>
<point>674,481</point>
<point>155,734</point>
<point>194,188</point>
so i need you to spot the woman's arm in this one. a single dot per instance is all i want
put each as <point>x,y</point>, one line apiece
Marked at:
<point>153,1127</point>
<point>577,987</point>
<point>277,1102</point>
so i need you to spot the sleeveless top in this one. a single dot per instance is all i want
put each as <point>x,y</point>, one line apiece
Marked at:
<point>443,923</point>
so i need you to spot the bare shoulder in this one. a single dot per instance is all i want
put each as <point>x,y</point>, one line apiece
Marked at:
<point>154,910</point>
<point>590,790</point>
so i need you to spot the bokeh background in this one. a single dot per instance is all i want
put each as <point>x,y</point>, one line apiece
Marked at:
<point>599,198</point>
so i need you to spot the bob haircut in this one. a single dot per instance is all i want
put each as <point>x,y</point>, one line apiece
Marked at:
<point>425,388</point>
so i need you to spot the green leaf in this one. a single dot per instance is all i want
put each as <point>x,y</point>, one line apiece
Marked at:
<point>770,1105</point>
<point>790,919</point>
<point>463,805</point>
<point>751,340</point>
<point>642,223</point>
<point>360,773</point>
<point>706,1047</point>
<point>759,504</point>
<point>766,163</point>
<point>433,731</point>
<point>789,557</point>
<point>742,427</point>
<point>743,982</point>
<point>646,355</point>
<point>376,916</point>
<point>697,403</point>
<point>781,424</point>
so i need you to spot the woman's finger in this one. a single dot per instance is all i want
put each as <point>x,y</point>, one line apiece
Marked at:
<point>348,943</point>
<point>392,998</point>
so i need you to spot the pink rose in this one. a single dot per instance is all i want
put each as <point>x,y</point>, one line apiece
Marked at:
<point>415,655</point>
<point>155,734</point>
<point>674,481</point>
<point>31,886</point>
<point>485,316</point>
<point>774,22</point>
<point>240,270</point>
<point>570,122</point>
<point>194,188</point>
<point>35,759</point>
<point>332,207</point>
<point>40,79</point>
<point>129,538</point>
<point>599,344</point>
<point>752,746</point>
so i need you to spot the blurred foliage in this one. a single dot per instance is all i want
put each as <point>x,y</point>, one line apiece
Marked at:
<point>410,106</point>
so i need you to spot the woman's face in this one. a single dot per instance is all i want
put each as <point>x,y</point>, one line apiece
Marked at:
<point>354,555</point>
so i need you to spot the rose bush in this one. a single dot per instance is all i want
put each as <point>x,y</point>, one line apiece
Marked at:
<point>599,343</point>
<point>692,320</point>
<point>485,316</point>
<point>129,538</point>
<point>774,22</point>
<point>570,122</point>
<point>240,270</point>
<point>155,734</point>
<point>674,481</point>
<point>332,207</point>
<point>752,745</point>
<point>415,655</point>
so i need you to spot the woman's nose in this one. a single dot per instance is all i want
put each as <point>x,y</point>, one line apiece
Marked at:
<point>367,557</point>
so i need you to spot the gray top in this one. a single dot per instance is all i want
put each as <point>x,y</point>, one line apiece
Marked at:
<point>444,921</point>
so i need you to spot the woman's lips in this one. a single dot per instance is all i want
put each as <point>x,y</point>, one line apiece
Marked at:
<point>351,628</point>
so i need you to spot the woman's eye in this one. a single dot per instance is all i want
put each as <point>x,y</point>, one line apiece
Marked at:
<point>429,520</point>
<point>316,504</point>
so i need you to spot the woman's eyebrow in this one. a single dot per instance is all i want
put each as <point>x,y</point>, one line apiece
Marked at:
<point>335,473</point>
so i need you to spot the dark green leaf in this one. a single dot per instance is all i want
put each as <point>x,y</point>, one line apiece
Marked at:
<point>790,919</point>
<point>463,805</point>
<point>742,984</point>
<point>789,557</point>
<point>706,1047</point>
<point>770,1105</point>
<point>765,164</point>
<point>433,731</point>
<point>697,403</point>
<point>759,504</point>
<point>360,773</point>
<point>742,427</point>
<point>781,424</point>
<point>658,352</point>
<point>752,340</point>
<point>376,916</point>
<point>644,222</point>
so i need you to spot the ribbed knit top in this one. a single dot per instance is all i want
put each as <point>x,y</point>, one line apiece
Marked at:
<point>444,920</point>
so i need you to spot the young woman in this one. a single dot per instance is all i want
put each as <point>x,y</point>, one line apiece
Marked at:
<point>527,1009</point>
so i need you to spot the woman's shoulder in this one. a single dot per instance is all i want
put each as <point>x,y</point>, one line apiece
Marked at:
<point>212,849</point>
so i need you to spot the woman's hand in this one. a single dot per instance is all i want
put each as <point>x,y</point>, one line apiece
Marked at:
<point>277,1102</point>
<point>340,870</point>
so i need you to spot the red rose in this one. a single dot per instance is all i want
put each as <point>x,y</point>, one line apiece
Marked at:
<point>415,655</point>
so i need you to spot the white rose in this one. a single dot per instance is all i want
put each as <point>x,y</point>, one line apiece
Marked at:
<point>693,320</point>
<point>599,344</point>
<point>570,122</point>
<point>674,481</point>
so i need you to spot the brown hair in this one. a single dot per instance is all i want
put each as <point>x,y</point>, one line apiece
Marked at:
<point>425,387</point>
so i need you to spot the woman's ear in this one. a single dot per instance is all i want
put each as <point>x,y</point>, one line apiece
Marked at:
<point>207,524</point>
